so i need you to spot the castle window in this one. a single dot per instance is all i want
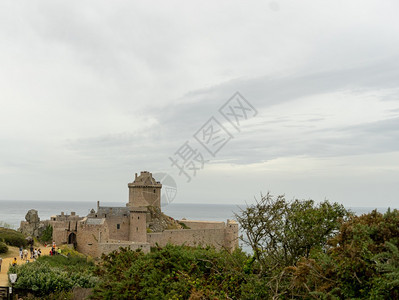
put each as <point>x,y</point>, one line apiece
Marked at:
<point>154,190</point>
<point>118,226</point>
<point>138,218</point>
<point>137,229</point>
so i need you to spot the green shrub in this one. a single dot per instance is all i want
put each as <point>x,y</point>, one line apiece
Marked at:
<point>12,237</point>
<point>41,278</point>
<point>174,272</point>
<point>70,264</point>
<point>3,248</point>
<point>47,234</point>
<point>184,225</point>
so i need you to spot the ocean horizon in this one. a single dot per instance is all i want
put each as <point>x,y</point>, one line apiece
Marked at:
<point>12,212</point>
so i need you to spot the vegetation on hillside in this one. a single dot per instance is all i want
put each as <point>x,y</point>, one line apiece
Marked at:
<point>301,250</point>
<point>12,237</point>
<point>54,274</point>
<point>173,272</point>
<point>47,234</point>
<point>3,248</point>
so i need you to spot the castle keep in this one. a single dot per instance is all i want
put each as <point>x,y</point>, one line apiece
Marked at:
<point>139,225</point>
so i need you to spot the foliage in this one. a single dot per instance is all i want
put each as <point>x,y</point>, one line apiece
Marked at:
<point>362,263</point>
<point>176,272</point>
<point>3,248</point>
<point>12,237</point>
<point>70,263</point>
<point>54,274</point>
<point>65,295</point>
<point>280,231</point>
<point>183,225</point>
<point>47,234</point>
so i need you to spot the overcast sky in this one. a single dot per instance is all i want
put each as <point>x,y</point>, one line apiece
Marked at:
<point>92,92</point>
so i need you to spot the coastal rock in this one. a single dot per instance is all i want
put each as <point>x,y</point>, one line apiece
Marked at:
<point>32,227</point>
<point>32,216</point>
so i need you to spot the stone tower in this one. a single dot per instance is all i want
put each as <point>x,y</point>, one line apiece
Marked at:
<point>231,235</point>
<point>144,191</point>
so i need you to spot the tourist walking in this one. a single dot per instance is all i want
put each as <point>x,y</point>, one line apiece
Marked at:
<point>14,262</point>
<point>20,252</point>
<point>31,251</point>
<point>1,261</point>
<point>25,254</point>
<point>39,252</point>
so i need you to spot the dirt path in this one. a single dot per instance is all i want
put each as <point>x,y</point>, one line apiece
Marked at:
<point>8,261</point>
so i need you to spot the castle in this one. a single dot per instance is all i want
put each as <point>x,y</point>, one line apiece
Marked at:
<point>139,225</point>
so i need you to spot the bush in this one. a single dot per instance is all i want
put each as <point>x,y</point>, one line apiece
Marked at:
<point>3,248</point>
<point>47,234</point>
<point>12,237</point>
<point>42,277</point>
<point>361,263</point>
<point>175,272</point>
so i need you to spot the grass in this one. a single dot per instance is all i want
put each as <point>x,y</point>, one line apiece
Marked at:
<point>12,252</point>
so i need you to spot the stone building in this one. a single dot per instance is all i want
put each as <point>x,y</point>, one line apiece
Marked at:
<point>139,225</point>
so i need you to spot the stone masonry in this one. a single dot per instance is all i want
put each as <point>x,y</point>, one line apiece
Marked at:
<point>139,225</point>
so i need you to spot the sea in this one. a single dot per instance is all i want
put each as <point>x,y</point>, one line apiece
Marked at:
<point>13,212</point>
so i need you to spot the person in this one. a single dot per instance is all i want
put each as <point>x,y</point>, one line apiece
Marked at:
<point>1,260</point>
<point>39,252</point>
<point>59,251</point>
<point>25,254</point>
<point>20,252</point>
<point>31,251</point>
<point>14,262</point>
<point>35,253</point>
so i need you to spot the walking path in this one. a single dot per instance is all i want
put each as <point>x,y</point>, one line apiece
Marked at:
<point>8,261</point>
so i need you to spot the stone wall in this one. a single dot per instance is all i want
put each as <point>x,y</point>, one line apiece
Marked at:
<point>118,228</point>
<point>188,237</point>
<point>202,233</point>
<point>115,245</point>
<point>90,235</point>
<point>60,235</point>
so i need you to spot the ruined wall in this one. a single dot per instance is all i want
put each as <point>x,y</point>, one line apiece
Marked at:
<point>189,237</point>
<point>89,236</point>
<point>60,234</point>
<point>202,233</point>
<point>115,245</point>
<point>231,235</point>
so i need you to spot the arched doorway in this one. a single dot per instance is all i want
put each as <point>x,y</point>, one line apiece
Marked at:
<point>72,239</point>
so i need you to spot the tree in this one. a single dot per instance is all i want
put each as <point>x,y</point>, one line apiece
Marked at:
<point>362,261</point>
<point>281,231</point>
<point>176,272</point>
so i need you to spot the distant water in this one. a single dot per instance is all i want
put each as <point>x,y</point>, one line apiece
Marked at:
<point>13,212</point>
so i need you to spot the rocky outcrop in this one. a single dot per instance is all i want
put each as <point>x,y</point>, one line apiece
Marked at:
<point>32,226</point>
<point>158,221</point>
